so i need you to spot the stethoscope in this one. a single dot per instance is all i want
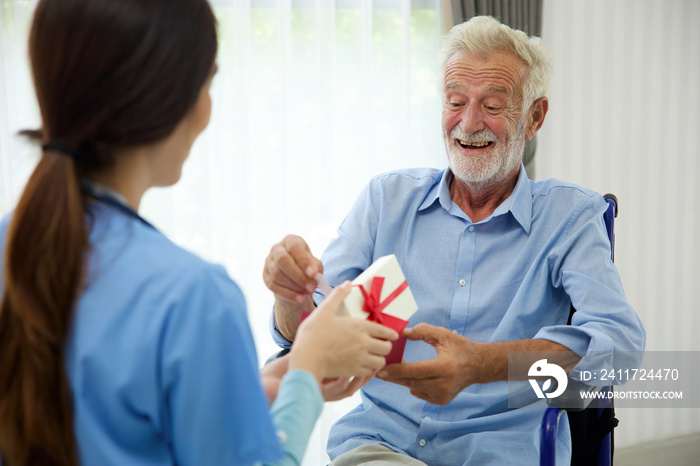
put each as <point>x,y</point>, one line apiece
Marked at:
<point>114,202</point>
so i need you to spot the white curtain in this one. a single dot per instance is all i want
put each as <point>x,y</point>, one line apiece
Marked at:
<point>17,102</point>
<point>312,98</point>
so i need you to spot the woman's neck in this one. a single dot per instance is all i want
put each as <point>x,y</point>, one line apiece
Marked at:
<point>129,176</point>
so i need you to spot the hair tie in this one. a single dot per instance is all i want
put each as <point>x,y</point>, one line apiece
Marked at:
<point>61,148</point>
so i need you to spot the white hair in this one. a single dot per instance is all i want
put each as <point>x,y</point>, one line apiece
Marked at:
<point>483,35</point>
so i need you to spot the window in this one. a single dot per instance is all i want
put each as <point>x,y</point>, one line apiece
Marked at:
<point>311,99</point>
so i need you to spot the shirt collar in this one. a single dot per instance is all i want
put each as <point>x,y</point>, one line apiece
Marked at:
<point>104,190</point>
<point>439,191</point>
<point>519,203</point>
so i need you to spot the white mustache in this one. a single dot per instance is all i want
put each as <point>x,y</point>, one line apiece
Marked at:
<point>485,135</point>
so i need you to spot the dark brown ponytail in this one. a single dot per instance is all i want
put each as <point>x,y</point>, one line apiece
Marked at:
<point>108,74</point>
<point>42,270</point>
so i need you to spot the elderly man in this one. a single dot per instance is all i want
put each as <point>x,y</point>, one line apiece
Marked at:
<point>493,259</point>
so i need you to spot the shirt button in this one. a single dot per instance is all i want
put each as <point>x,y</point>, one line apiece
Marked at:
<point>462,282</point>
<point>471,228</point>
<point>455,332</point>
<point>421,442</point>
<point>427,418</point>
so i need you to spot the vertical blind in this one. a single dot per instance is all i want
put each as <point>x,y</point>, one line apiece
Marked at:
<point>525,15</point>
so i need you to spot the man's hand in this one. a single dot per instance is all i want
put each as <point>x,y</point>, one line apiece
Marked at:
<point>288,273</point>
<point>461,362</point>
<point>290,268</point>
<point>458,364</point>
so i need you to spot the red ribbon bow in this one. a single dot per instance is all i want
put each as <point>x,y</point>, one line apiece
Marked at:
<point>375,307</point>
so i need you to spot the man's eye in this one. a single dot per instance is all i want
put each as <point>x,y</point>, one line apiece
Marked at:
<point>455,104</point>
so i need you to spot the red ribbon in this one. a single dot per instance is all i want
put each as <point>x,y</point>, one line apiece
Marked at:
<point>375,307</point>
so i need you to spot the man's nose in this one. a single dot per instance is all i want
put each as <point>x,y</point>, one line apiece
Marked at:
<point>472,119</point>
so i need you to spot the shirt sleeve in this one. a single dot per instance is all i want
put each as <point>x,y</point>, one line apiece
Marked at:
<point>294,413</point>
<point>604,323</point>
<point>214,408</point>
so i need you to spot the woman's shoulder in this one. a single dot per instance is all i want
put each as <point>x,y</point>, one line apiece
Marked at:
<point>116,237</point>
<point>137,256</point>
<point>139,281</point>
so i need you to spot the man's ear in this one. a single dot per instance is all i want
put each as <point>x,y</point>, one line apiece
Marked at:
<point>536,114</point>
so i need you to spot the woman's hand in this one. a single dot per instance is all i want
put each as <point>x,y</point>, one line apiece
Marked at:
<point>271,376</point>
<point>337,388</point>
<point>329,345</point>
<point>333,389</point>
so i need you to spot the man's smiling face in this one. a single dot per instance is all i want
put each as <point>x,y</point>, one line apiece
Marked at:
<point>482,122</point>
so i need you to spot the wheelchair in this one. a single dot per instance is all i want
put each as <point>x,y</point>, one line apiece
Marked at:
<point>592,421</point>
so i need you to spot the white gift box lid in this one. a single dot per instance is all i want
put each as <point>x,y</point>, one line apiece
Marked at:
<point>403,306</point>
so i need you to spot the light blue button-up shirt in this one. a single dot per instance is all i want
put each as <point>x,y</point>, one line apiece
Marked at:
<point>511,276</point>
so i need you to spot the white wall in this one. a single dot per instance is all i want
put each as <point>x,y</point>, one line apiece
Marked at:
<point>624,117</point>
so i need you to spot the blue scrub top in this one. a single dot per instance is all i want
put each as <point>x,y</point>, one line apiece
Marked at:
<point>161,359</point>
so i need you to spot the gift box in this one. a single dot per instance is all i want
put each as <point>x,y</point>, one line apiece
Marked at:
<point>381,294</point>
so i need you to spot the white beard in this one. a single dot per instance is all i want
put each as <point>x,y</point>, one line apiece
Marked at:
<point>489,169</point>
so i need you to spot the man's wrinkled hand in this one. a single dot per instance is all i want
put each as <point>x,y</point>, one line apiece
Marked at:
<point>456,366</point>
<point>290,268</point>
